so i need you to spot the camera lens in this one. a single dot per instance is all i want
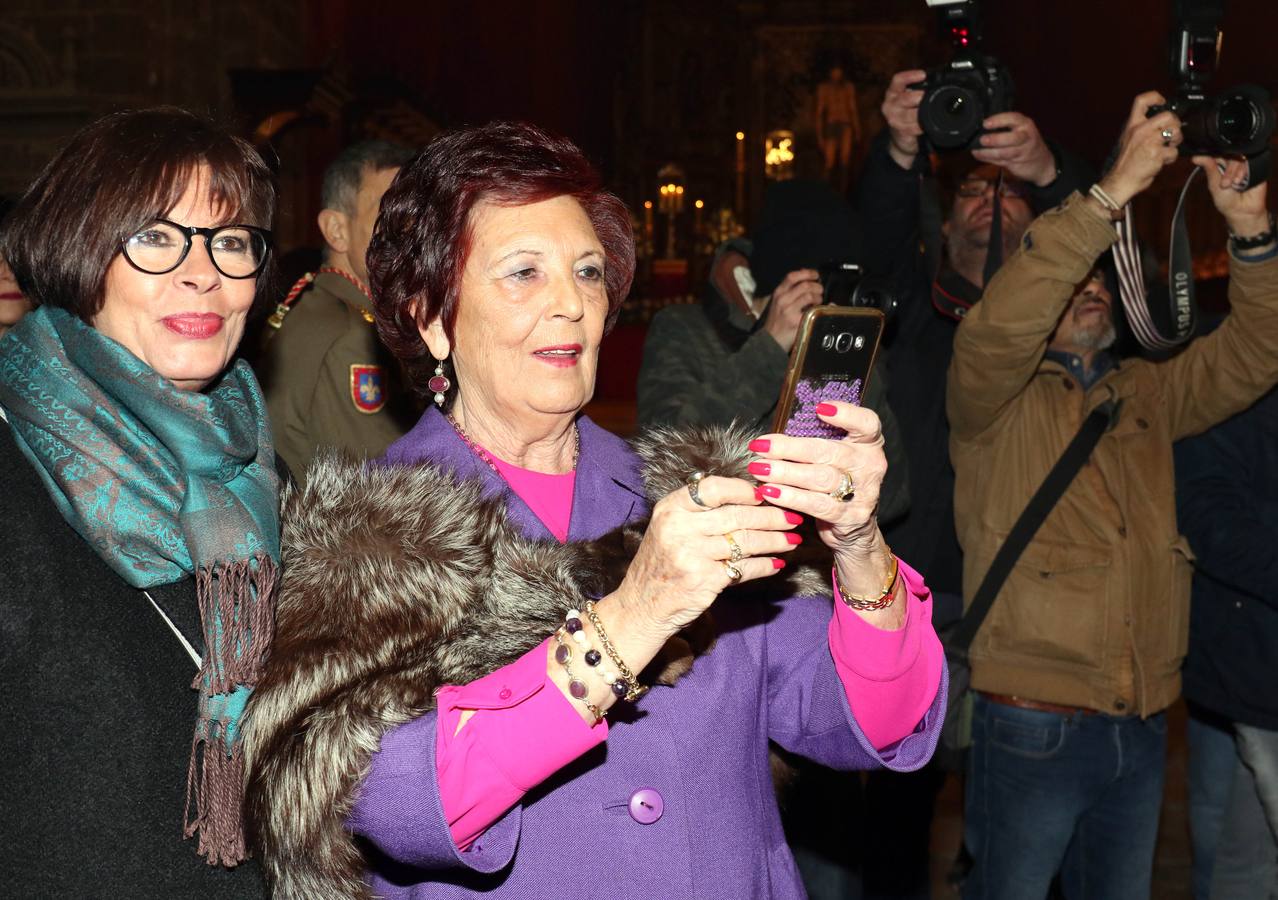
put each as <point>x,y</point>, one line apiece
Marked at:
<point>843,343</point>
<point>1236,121</point>
<point>951,115</point>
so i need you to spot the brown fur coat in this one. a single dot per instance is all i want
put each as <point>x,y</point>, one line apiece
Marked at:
<point>398,580</point>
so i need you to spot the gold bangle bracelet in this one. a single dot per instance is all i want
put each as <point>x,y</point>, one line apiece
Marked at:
<point>884,599</point>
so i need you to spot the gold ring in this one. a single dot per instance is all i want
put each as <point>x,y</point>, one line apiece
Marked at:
<point>846,489</point>
<point>734,574</point>
<point>694,489</point>
<point>735,553</point>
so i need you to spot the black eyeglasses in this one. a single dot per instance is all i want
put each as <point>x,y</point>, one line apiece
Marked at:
<point>237,251</point>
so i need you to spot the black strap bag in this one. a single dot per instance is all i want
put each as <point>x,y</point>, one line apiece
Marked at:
<point>956,731</point>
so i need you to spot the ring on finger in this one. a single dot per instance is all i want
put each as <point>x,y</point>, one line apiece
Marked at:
<point>734,574</point>
<point>694,489</point>
<point>735,553</point>
<point>846,489</point>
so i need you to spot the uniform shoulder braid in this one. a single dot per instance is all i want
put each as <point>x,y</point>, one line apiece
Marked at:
<point>276,319</point>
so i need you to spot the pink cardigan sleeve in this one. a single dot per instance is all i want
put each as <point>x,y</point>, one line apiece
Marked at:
<point>891,677</point>
<point>524,728</point>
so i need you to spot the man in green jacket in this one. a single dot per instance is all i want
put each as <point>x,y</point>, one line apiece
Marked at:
<point>328,380</point>
<point>1081,653</point>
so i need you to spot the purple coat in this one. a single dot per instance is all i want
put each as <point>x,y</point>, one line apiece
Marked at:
<point>702,745</point>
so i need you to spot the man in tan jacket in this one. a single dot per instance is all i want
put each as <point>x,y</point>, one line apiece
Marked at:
<point>1082,649</point>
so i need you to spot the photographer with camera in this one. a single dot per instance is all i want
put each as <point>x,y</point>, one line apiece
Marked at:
<point>934,294</point>
<point>724,359</point>
<point>1081,653</point>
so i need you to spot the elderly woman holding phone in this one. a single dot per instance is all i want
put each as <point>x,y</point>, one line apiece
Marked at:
<point>519,657</point>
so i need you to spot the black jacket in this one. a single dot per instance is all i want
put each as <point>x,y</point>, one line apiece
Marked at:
<point>921,341</point>
<point>98,713</point>
<point>1227,501</point>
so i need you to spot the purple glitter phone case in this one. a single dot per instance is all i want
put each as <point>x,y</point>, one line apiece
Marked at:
<point>807,394</point>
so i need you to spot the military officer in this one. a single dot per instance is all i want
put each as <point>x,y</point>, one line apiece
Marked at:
<point>328,380</point>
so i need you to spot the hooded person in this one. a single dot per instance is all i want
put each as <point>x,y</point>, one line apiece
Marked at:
<point>724,359</point>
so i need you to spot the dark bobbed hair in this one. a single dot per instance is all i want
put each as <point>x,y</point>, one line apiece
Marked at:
<point>114,177</point>
<point>423,236</point>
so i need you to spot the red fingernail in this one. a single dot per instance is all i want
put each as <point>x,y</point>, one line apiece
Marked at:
<point>769,490</point>
<point>827,409</point>
<point>792,517</point>
<point>759,468</point>
<point>792,538</point>
<point>760,445</point>
<point>778,564</point>
<point>758,493</point>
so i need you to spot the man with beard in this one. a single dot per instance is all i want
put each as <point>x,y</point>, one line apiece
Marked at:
<point>1081,653</point>
<point>933,296</point>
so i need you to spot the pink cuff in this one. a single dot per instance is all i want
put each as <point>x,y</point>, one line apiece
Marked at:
<point>524,730</point>
<point>891,677</point>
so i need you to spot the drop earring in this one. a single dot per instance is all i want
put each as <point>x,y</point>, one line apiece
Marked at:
<point>439,383</point>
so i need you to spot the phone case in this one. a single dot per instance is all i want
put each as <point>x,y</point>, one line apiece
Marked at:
<point>832,359</point>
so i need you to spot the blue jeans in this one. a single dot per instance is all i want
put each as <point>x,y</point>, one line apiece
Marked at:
<point>1246,861</point>
<point>1078,794</point>
<point>1212,761</point>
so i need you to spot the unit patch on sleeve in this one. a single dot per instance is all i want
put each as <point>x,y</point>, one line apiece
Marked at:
<point>368,388</point>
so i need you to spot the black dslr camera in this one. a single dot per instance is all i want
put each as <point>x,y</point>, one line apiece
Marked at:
<point>846,284</point>
<point>1236,122</point>
<point>961,94</point>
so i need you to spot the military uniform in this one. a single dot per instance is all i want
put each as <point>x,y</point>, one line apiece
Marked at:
<point>328,380</point>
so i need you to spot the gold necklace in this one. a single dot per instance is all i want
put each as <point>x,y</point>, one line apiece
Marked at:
<point>483,454</point>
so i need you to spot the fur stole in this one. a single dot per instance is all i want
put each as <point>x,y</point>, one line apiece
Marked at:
<point>398,580</point>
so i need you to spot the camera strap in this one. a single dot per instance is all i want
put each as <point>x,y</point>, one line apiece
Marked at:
<point>1141,307</point>
<point>994,252</point>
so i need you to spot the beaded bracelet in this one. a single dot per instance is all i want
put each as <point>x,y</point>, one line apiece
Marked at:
<point>627,687</point>
<point>578,688</point>
<point>1254,242</point>
<point>884,600</point>
<point>619,683</point>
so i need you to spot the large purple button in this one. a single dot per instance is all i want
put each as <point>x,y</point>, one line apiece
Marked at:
<point>646,806</point>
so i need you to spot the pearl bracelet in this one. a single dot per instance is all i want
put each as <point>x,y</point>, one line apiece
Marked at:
<point>627,687</point>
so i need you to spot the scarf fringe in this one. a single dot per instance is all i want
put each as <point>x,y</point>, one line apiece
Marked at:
<point>237,613</point>
<point>215,781</point>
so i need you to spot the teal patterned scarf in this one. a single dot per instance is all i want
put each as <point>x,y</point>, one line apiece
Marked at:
<point>163,484</point>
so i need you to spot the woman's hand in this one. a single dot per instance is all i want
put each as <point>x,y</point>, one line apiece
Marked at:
<point>1244,208</point>
<point>1143,150</point>
<point>802,474</point>
<point>682,564</point>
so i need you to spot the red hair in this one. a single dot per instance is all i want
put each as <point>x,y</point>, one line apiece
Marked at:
<point>423,236</point>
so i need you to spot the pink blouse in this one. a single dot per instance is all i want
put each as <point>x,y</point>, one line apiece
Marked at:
<point>524,729</point>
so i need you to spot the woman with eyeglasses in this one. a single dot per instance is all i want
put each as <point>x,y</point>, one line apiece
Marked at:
<point>139,495</point>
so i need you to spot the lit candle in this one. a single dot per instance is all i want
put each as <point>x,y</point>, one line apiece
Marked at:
<point>741,167</point>
<point>696,217</point>
<point>647,219</point>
